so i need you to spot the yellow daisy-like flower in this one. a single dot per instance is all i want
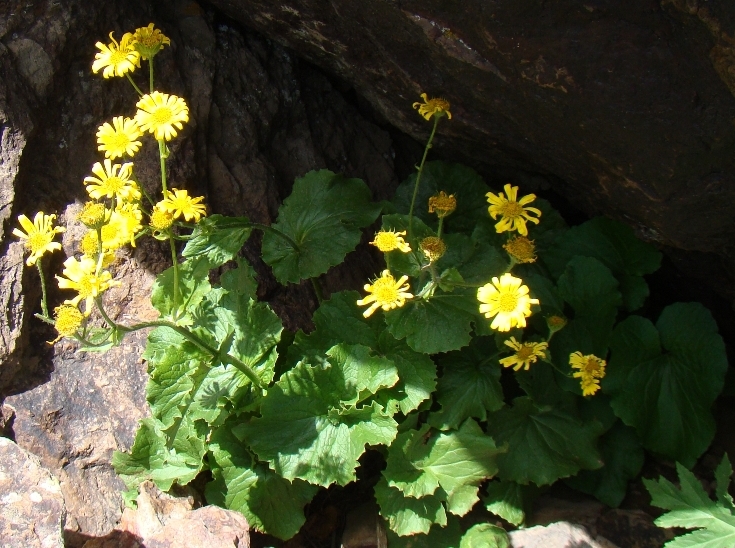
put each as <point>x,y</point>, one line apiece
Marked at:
<point>90,248</point>
<point>68,320</point>
<point>180,204</point>
<point>149,41</point>
<point>112,180</point>
<point>525,354</point>
<point>385,293</point>
<point>434,106</point>
<point>433,248</point>
<point>81,276</point>
<point>39,235</point>
<point>507,299</point>
<point>116,58</point>
<point>161,114</point>
<point>521,249</point>
<point>388,240</point>
<point>591,370</point>
<point>513,214</point>
<point>93,215</point>
<point>161,219</point>
<point>120,138</point>
<point>442,204</point>
<point>125,222</point>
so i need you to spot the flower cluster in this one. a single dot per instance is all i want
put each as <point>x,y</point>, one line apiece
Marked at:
<point>116,212</point>
<point>590,370</point>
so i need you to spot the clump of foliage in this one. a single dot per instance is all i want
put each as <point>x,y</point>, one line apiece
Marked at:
<point>476,282</point>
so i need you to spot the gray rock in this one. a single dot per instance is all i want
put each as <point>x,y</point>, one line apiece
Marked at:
<point>32,511</point>
<point>557,535</point>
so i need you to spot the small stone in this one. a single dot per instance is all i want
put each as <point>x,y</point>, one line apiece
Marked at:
<point>557,535</point>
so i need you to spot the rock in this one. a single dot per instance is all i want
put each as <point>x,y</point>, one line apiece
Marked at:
<point>32,511</point>
<point>163,521</point>
<point>557,535</point>
<point>628,105</point>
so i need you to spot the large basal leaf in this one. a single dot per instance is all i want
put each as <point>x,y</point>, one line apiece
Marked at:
<point>408,515</point>
<point>313,426</point>
<point>544,443</point>
<point>323,216</point>
<point>218,239</point>
<point>476,261</point>
<point>485,535</point>
<point>440,324</point>
<point>152,458</point>
<point>193,284</point>
<point>457,461</point>
<point>615,245</point>
<point>270,503</point>
<point>505,500</point>
<point>663,379</point>
<point>464,182</point>
<point>592,291</point>
<point>448,536</point>
<point>469,386</point>
<point>623,455</point>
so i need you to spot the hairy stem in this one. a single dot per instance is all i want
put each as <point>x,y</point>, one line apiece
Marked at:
<point>418,177</point>
<point>133,84</point>
<point>44,302</point>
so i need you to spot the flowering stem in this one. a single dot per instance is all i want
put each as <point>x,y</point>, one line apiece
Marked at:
<point>150,65</point>
<point>175,265</point>
<point>44,305</point>
<point>133,83</point>
<point>317,290</point>
<point>101,308</point>
<point>276,231</point>
<point>163,154</point>
<point>418,177</point>
<point>441,226</point>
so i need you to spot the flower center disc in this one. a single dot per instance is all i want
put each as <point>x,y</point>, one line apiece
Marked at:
<point>507,302</point>
<point>162,115</point>
<point>114,184</point>
<point>512,210</point>
<point>524,353</point>
<point>38,241</point>
<point>117,57</point>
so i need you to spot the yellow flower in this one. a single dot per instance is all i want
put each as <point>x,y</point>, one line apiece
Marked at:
<point>525,354</point>
<point>93,215</point>
<point>179,203</point>
<point>506,299</point>
<point>68,320</point>
<point>81,276</point>
<point>388,240</point>
<point>385,293</point>
<point>119,138</point>
<point>521,249</point>
<point>116,59</point>
<point>433,247</point>
<point>161,113</point>
<point>434,106</point>
<point>149,41</point>
<point>513,214</point>
<point>112,180</point>
<point>90,248</point>
<point>160,218</point>
<point>125,223</point>
<point>39,235</point>
<point>591,370</point>
<point>442,204</point>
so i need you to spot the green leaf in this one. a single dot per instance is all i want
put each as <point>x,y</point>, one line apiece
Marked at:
<point>462,181</point>
<point>616,246</point>
<point>470,385</point>
<point>440,324</point>
<point>456,461</point>
<point>310,412</point>
<point>416,374</point>
<point>241,280</point>
<point>270,503</point>
<point>448,536</point>
<point>484,535</point>
<point>623,456</point>
<point>505,500</point>
<point>151,458</point>
<point>723,474</point>
<point>476,262</point>
<point>323,216</point>
<point>591,290</point>
<point>408,515</point>
<point>218,239</point>
<point>664,379</point>
<point>411,263</point>
<point>544,443</point>
<point>193,285</point>
<point>690,507</point>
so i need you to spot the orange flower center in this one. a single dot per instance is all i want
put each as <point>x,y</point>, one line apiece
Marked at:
<point>525,353</point>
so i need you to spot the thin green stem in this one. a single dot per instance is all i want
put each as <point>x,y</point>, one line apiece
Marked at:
<point>44,302</point>
<point>45,319</point>
<point>150,65</point>
<point>441,226</point>
<point>103,312</point>
<point>175,265</point>
<point>278,232</point>
<point>163,154</point>
<point>317,290</point>
<point>133,84</point>
<point>418,177</point>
